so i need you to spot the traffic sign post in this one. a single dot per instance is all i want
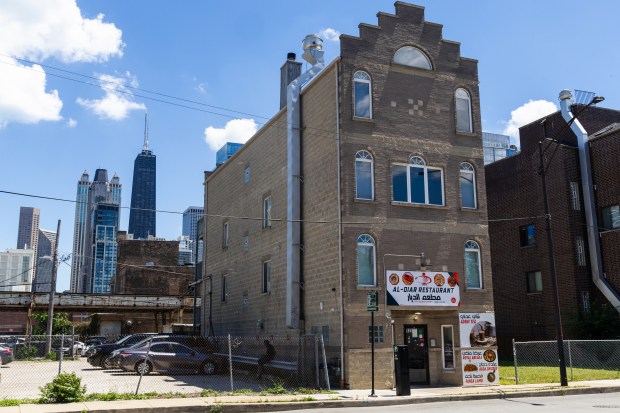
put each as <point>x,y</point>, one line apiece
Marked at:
<point>372,307</point>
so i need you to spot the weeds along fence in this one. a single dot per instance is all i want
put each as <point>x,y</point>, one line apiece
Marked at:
<point>585,359</point>
<point>191,365</point>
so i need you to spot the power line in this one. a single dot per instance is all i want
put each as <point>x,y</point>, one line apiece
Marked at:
<point>250,218</point>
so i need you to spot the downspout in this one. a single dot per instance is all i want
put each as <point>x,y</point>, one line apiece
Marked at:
<point>313,47</point>
<point>339,221</point>
<point>589,201</point>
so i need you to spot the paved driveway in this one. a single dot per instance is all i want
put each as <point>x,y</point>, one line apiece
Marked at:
<point>22,379</point>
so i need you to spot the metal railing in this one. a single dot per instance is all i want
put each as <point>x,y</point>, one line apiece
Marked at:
<point>585,360</point>
<point>190,365</point>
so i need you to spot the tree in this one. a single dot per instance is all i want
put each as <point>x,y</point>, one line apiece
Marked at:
<point>600,322</point>
<point>60,324</point>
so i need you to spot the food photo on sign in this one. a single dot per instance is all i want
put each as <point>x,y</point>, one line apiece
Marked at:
<point>478,330</point>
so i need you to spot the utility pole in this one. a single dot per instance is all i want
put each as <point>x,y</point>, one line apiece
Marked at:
<point>50,308</point>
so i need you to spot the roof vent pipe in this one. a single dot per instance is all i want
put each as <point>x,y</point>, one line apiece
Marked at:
<point>594,246</point>
<point>313,46</point>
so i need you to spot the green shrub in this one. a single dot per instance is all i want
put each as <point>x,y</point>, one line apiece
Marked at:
<point>51,355</point>
<point>26,353</point>
<point>65,388</point>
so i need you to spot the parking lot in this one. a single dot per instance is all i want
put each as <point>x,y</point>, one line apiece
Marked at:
<point>22,379</point>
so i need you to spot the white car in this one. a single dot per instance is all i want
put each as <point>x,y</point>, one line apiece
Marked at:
<point>79,348</point>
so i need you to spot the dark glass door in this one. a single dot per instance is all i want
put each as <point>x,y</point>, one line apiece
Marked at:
<point>417,342</point>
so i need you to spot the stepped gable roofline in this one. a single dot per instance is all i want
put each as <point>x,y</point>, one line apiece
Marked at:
<point>412,13</point>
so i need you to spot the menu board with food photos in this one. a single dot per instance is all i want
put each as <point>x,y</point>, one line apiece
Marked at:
<point>422,288</point>
<point>480,366</point>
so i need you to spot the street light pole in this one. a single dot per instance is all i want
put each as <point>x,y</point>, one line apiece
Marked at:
<point>552,269</point>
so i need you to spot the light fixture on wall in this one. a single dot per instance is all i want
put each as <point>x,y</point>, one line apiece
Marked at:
<point>416,315</point>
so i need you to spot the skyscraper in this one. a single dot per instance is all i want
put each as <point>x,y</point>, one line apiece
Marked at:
<point>44,260</point>
<point>142,215</point>
<point>97,217</point>
<point>190,219</point>
<point>28,230</point>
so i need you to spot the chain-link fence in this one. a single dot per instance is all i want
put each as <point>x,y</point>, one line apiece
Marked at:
<point>162,363</point>
<point>538,361</point>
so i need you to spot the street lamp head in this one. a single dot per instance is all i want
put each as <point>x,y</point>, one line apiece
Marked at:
<point>597,99</point>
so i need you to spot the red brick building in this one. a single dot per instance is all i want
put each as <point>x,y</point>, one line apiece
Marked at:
<point>519,250</point>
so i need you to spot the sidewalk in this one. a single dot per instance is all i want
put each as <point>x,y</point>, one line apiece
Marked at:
<point>343,398</point>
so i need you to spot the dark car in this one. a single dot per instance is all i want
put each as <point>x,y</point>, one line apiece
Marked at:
<point>99,356</point>
<point>196,343</point>
<point>6,354</point>
<point>166,357</point>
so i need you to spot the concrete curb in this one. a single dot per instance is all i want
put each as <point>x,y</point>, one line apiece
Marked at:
<point>205,405</point>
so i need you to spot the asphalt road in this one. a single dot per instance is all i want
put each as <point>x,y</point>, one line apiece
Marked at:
<point>22,379</point>
<point>603,403</point>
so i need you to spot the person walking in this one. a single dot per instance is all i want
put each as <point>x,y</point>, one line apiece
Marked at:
<point>269,355</point>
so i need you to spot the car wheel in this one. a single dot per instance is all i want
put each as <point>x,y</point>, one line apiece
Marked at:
<point>106,363</point>
<point>143,367</point>
<point>208,368</point>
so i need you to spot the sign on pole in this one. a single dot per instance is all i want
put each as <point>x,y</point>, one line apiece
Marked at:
<point>372,301</point>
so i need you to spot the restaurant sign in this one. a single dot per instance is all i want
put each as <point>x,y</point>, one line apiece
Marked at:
<point>422,288</point>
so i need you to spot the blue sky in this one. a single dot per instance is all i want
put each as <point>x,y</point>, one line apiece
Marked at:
<point>228,55</point>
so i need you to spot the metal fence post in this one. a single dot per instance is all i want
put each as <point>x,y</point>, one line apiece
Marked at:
<point>570,360</point>
<point>62,348</point>
<point>230,364</point>
<point>325,363</point>
<point>142,370</point>
<point>514,356</point>
<point>316,361</point>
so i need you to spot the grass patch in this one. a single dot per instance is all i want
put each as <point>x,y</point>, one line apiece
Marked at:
<point>551,374</point>
<point>16,402</point>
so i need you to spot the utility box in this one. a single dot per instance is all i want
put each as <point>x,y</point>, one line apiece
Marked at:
<point>401,370</point>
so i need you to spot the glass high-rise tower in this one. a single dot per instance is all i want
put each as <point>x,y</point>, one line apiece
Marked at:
<point>142,214</point>
<point>97,217</point>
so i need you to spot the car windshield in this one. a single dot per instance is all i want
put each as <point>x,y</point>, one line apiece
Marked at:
<point>122,340</point>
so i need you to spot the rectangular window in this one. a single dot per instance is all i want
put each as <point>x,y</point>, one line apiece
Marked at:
<point>266,276</point>
<point>417,184</point>
<point>363,179</point>
<point>225,235</point>
<point>611,217</point>
<point>574,192</point>
<point>224,289</point>
<point>246,243</point>
<point>585,301</point>
<point>362,99</point>
<point>534,282</point>
<point>581,251</point>
<point>267,212</point>
<point>246,174</point>
<point>472,269</point>
<point>377,334</point>
<point>527,235</point>
<point>366,265</point>
<point>447,347</point>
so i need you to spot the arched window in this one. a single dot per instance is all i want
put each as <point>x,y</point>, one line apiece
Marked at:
<point>364,176</point>
<point>362,95</point>
<point>412,56</point>
<point>467,180</point>
<point>473,273</point>
<point>463,110</point>
<point>366,271</point>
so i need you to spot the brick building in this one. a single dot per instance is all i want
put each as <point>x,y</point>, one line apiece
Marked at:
<point>387,180</point>
<point>519,249</point>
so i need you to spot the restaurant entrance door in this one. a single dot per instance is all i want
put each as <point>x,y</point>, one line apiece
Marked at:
<point>417,342</point>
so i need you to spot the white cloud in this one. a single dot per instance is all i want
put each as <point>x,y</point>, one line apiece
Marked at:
<point>37,30</point>
<point>23,98</point>
<point>71,123</point>
<point>329,35</point>
<point>527,113</point>
<point>236,130</point>
<point>116,104</point>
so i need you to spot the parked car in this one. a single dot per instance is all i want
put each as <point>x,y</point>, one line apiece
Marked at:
<point>6,355</point>
<point>99,356</point>
<point>79,348</point>
<point>166,357</point>
<point>196,343</point>
<point>11,341</point>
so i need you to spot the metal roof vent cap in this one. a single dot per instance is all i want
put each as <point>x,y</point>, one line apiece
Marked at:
<point>566,94</point>
<point>313,48</point>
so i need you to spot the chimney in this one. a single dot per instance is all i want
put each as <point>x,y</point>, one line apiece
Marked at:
<point>289,71</point>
